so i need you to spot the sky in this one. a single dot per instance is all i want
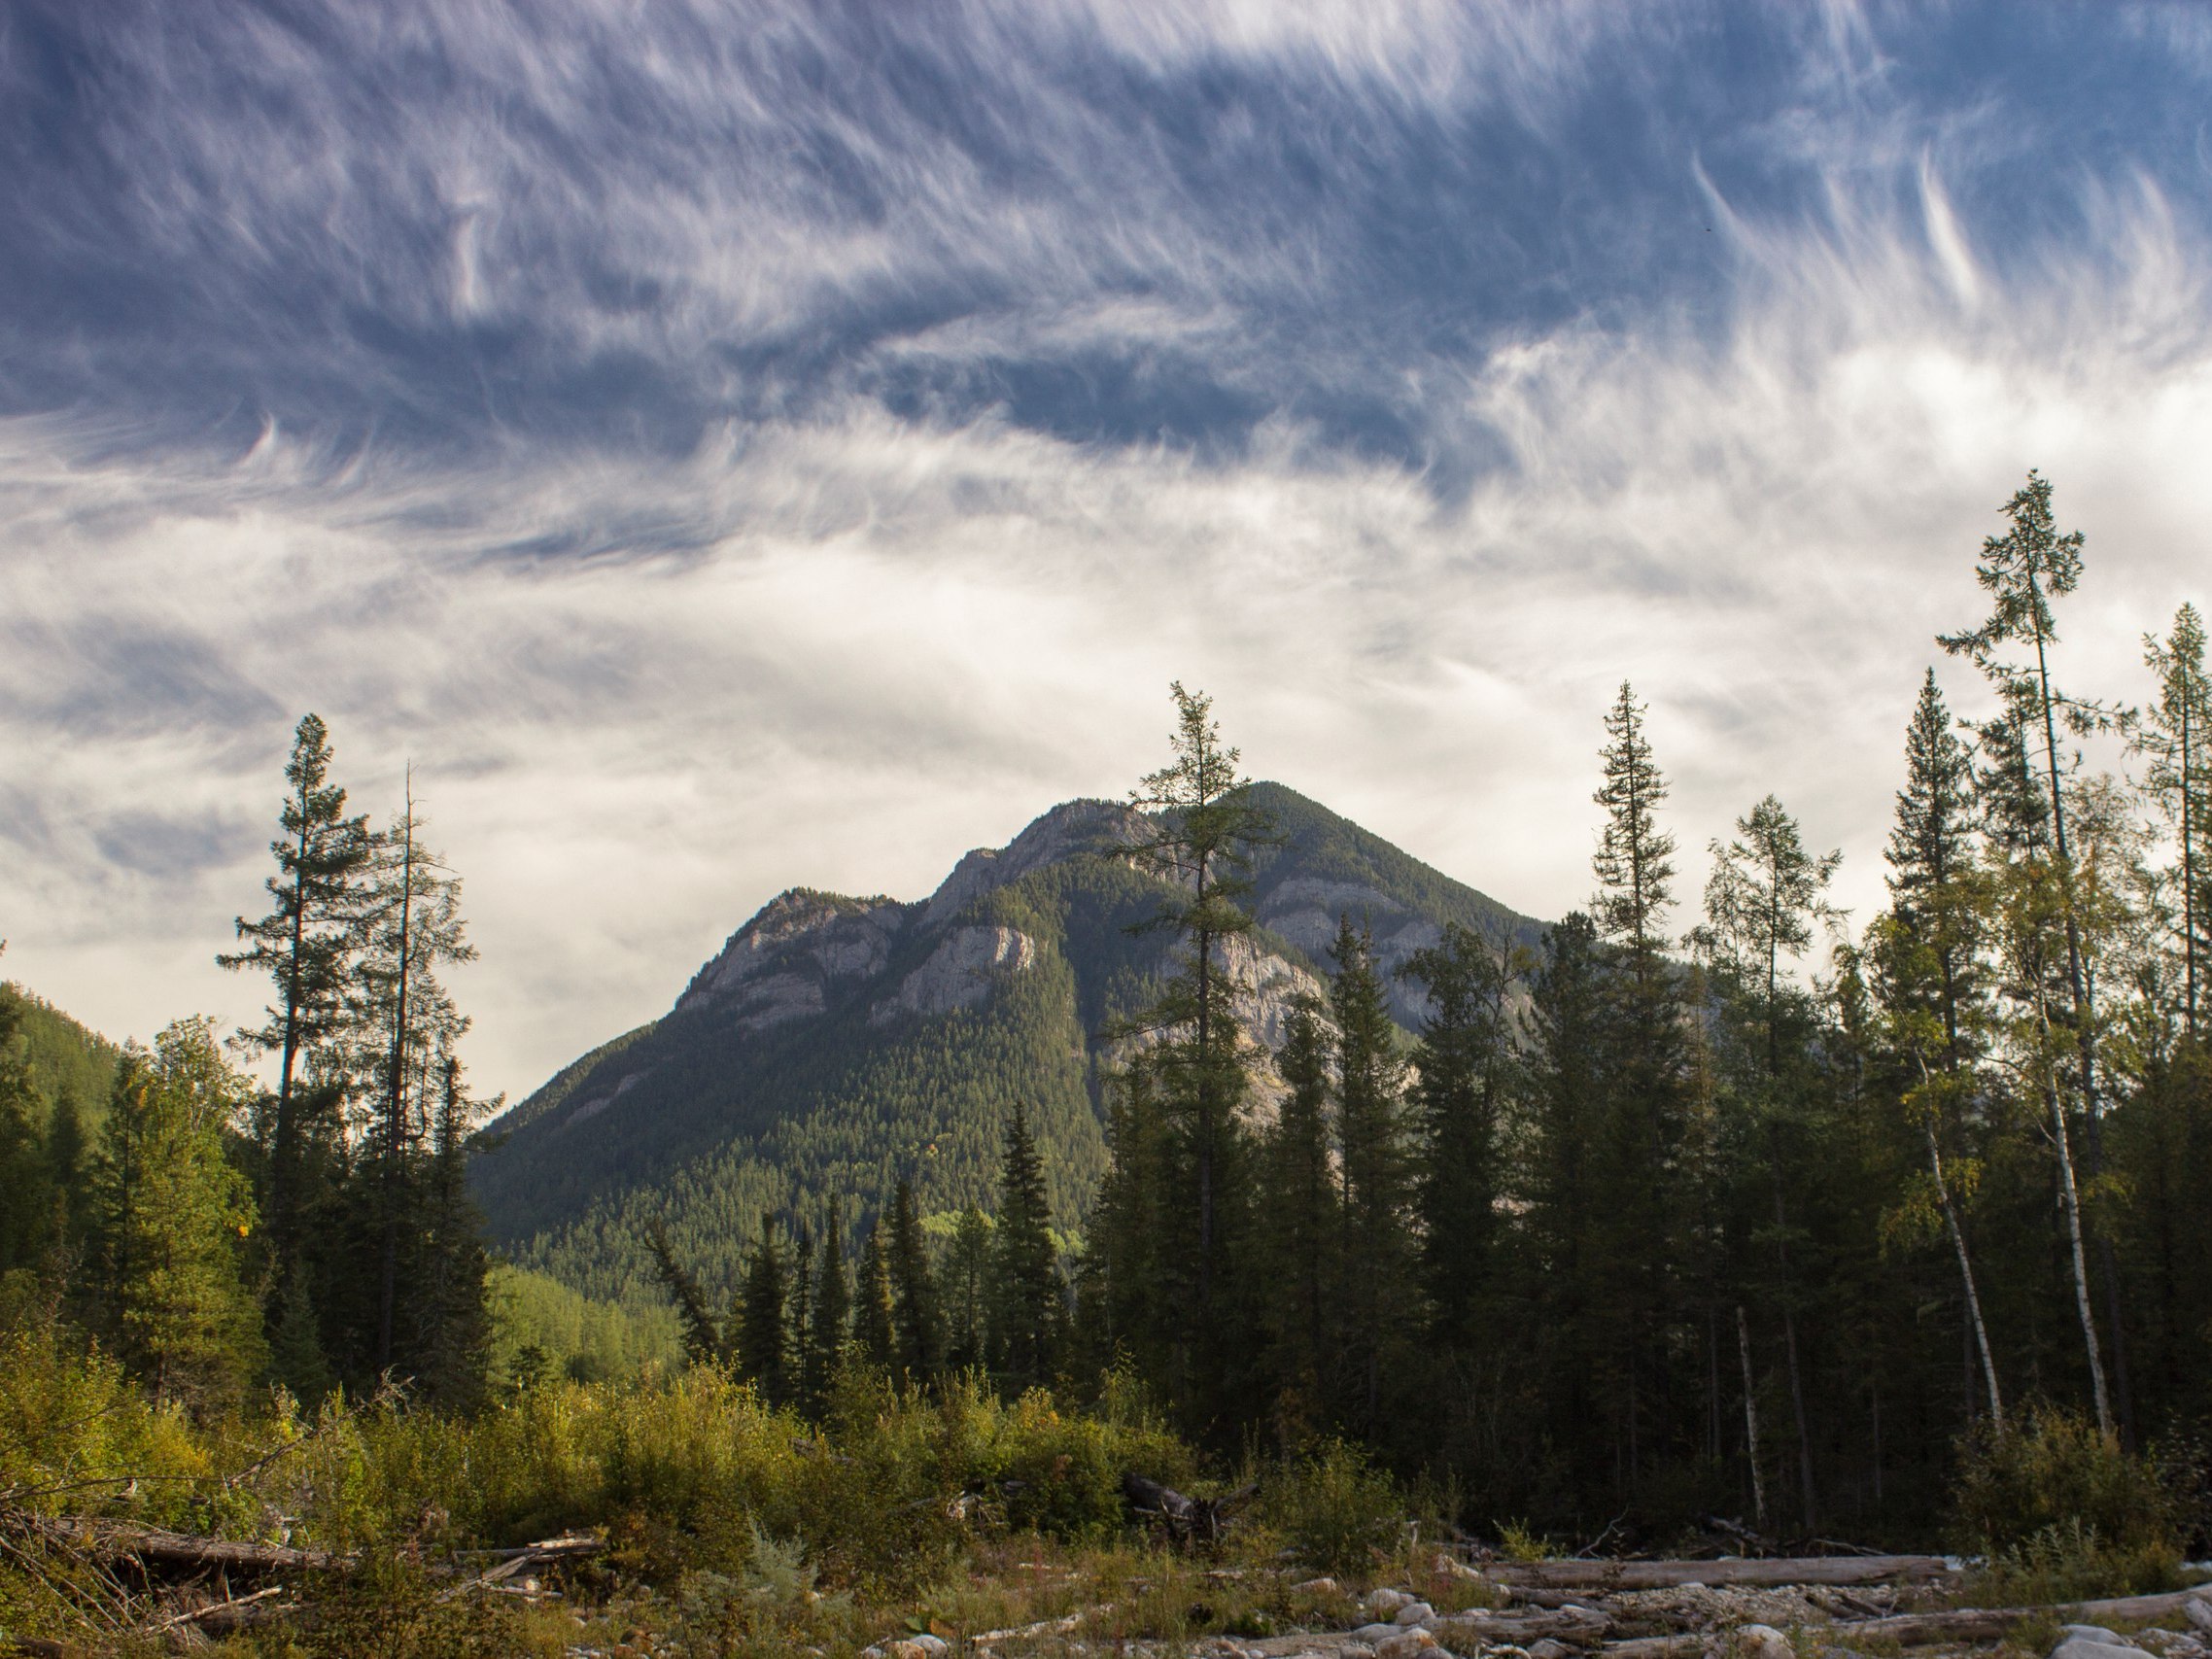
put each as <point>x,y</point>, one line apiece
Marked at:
<point>729,446</point>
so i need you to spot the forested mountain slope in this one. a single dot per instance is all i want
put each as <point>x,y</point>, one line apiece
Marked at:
<point>837,1043</point>
<point>66,1060</point>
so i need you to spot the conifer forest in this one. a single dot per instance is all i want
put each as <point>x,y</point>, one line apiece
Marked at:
<point>1689,1222</point>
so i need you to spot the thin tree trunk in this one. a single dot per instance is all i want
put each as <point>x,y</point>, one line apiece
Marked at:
<point>396,1096</point>
<point>2072,1198</point>
<point>1965,1262</point>
<point>2084,1038</point>
<point>1751,1421</point>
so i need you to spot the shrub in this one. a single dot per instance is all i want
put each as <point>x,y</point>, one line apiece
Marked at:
<point>1333,1508</point>
<point>2069,1561</point>
<point>2054,1470</point>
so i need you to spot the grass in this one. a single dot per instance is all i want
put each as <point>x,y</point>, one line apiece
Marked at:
<point>734,1528</point>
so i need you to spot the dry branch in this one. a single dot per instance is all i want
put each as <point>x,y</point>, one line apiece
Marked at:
<point>117,1541</point>
<point>1671,1575</point>
<point>1992,1624</point>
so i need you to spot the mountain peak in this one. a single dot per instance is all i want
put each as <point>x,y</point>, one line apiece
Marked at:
<point>1066,831</point>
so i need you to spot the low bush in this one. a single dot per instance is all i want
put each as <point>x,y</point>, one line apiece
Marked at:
<point>2053,1469</point>
<point>1333,1508</point>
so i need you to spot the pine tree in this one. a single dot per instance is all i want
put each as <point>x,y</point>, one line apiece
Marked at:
<point>1926,979</point>
<point>1639,1135</point>
<point>1573,1077</point>
<point>913,1291</point>
<point>875,1329</point>
<point>1301,1225</point>
<point>1931,857</point>
<point>448,1346</point>
<point>306,944</point>
<point>759,1339</point>
<point>410,1025</point>
<point>1468,1065</point>
<point>1634,859</point>
<point>829,1322</point>
<point>1201,832</point>
<point>1131,1262</point>
<point>1026,1298</point>
<point>2022,570</point>
<point>170,1217</point>
<point>1374,1142</point>
<point>967,1271</point>
<point>1762,901</point>
<point>703,1342</point>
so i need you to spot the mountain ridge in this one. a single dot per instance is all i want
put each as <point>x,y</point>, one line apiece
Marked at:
<point>835,1043</point>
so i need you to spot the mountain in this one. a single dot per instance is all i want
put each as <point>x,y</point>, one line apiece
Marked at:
<point>837,1043</point>
<point>66,1059</point>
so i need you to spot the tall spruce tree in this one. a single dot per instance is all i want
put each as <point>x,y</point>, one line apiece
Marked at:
<point>1926,981</point>
<point>914,1312</point>
<point>2023,571</point>
<point>1640,1134</point>
<point>1027,1304</point>
<point>1469,1063</point>
<point>306,944</point>
<point>875,1323</point>
<point>1375,1163</point>
<point>829,1321</point>
<point>1301,1227</point>
<point>967,1273</point>
<point>408,1024</point>
<point>1202,829</point>
<point>1764,898</point>
<point>1573,1069</point>
<point>759,1336</point>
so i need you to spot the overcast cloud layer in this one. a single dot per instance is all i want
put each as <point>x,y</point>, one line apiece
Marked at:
<point>732,446</point>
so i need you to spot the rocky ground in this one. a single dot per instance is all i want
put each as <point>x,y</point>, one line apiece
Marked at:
<point>1912,1603</point>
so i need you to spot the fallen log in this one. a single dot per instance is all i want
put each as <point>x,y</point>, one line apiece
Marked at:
<point>1579,1625</point>
<point>118,1541</point>
<point>569,1546</point>
<point>1729,1571</point>
<point>1654,1648</point>
<point>1992,1624</point>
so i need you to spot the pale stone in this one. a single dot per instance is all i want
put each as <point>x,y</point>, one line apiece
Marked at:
<point>1764,1641</point>
<point>1416,1612</point>
<point>1404,1643</point>
<point>2091,1647</point>
<point>960,972</point>
<point>1387,1602</point>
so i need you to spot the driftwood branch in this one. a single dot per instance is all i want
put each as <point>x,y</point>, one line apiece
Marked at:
<point>1992,1624</point>
<point>569,1546</point>
<point>1575,1625</point>
<point>1602,1576</point>
<point>117,1541</point>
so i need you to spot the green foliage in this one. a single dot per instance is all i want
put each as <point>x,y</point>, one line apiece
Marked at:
<point>2071,1560</point>
<point>578,1337</point>
<point>1334,1507</point>
<point>171,1220</point>
<point>2056,1478</point>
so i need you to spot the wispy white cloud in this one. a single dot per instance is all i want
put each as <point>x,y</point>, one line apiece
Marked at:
<point>1376,368</point>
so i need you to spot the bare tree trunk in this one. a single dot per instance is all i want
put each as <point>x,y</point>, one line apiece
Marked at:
<point>1751,1421</point>
<point>2072,1198</point>
<point>1965,1272</point>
